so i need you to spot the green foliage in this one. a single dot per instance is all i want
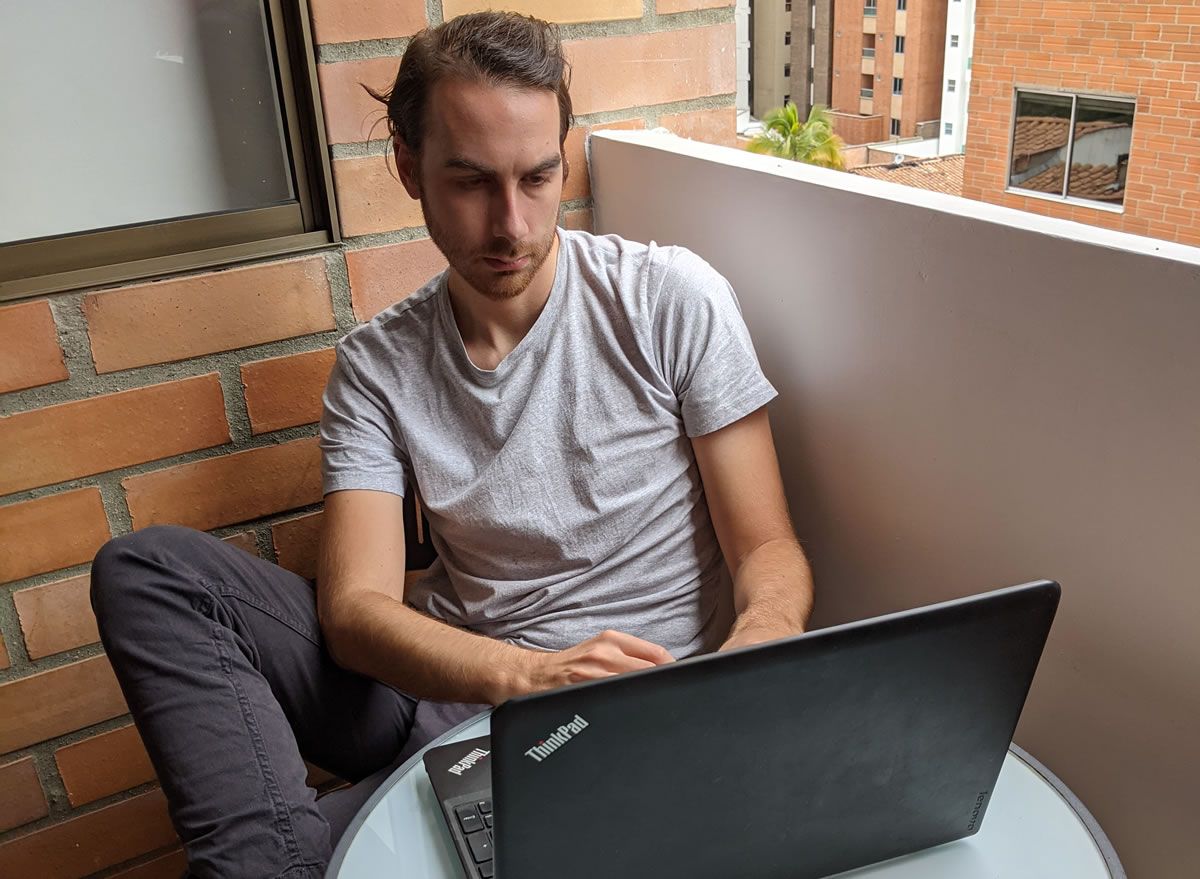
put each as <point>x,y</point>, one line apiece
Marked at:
<point>813,141</point>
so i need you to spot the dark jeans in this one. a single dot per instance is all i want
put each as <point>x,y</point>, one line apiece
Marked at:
<point>222,663</point>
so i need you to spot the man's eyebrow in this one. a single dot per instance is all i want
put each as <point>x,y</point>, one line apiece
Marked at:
<point>460,163</point>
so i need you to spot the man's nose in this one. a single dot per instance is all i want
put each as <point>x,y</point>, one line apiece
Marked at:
<point>508,219</point>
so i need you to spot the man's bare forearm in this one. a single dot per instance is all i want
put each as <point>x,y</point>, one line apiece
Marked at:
<point>773,588</point>
<point>375,635</point>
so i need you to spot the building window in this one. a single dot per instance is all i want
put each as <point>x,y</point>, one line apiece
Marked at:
<point>787,38</point>
<point>949,128</point>
<point>787,6</point>
<point>951,85</point>
<point>868,46</point>
<point>895,128</point>
<point>901,5</point>
<point>899,45</point>
<point>897,85</point>
<point>1071,146</point>
<point>787,69</point>
<point>207,162</point>
<point>786,98</point>
<point>869,9</point>
<point>954,41</point>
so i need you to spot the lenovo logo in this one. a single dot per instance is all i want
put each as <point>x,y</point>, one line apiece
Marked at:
<point>978,808</point>
<point>468,761</point>
<point>557,739</point>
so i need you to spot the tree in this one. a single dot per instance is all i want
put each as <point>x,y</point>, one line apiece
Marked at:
<point>786,137</point>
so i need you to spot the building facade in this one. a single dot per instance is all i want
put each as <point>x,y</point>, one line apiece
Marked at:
<point>1093,118</point>
<point>956,82</point>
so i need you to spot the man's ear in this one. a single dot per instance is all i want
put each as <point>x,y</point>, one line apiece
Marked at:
<point>406,167</point>
<point>566,166</point>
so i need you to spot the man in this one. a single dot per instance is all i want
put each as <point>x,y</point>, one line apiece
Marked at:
<point>583,419</point>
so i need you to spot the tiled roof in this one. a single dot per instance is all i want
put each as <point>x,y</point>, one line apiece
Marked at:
<point>1087,181</point>
<point>1037,134</point>
<point>940,174</point>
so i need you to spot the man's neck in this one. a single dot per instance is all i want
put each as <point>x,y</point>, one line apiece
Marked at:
<point>490,329</point>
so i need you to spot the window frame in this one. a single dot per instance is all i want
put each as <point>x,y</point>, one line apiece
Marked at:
<point>898,85</point>
<point>156,249</point>
<point>1012,134</point>
<point>898,45</point>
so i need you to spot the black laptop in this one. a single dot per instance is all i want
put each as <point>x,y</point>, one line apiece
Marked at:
<point>800,758</point>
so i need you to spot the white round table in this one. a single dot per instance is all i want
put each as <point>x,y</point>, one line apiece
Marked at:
<point>1035,829</point>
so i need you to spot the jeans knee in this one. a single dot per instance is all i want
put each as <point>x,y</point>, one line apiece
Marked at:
<point>118,574</point>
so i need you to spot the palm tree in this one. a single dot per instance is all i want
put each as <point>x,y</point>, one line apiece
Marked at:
<point>786,137</point>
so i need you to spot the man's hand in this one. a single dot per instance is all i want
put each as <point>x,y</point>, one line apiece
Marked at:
<point>607,654</point>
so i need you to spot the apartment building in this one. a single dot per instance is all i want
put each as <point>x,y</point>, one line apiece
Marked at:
<point>1093,118</point>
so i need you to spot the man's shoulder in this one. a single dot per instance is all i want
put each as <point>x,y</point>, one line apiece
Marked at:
<point>620,257</point>
<point>398,326</point>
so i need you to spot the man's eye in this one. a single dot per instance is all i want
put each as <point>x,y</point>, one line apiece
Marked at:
<point>537,179</point>
<point>471,182</point>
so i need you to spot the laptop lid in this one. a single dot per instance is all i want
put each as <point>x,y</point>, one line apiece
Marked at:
<point>799,758</point>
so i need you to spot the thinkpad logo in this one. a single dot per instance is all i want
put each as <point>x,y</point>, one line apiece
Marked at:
<point>557,739</point>
<point>978,807</point>
<point>468,761</point>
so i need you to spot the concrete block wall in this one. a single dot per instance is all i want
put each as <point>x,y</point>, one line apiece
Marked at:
<point>1150,50</point>
<point>193,400</point>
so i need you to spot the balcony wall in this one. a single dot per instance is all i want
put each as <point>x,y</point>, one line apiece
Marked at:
<point>971,397</point>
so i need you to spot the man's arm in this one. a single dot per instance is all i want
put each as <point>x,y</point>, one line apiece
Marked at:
<point>772,583</point>
<point>369,629</point>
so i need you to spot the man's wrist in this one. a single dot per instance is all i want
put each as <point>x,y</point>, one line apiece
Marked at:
<point>513,674</point>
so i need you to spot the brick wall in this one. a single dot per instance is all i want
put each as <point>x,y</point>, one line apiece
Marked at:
<point>193,401</point>
<point>1143,49</point>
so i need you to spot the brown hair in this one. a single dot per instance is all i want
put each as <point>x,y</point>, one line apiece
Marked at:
<point>497,48</point>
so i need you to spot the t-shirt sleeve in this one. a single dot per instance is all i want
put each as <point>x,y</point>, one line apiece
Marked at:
<point>361,444</point>
<point>704,348</point>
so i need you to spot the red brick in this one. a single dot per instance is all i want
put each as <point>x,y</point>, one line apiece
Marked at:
<point>628,71</point>
<point>168,866</point>
<point>296,542</point>
<point>371,199</point>
<point>286,391</point>
<point>57,616</point>
<point>29,350</point>
<point>104,765</point>
<point>709,126</point>
<point>51,532</point>
<point>3,654</point>
<point>382,276</point>
<point>57,443</point>
<point>346,21</point>
<point>21,797</point>
<point>666,7</point>
<point>560,11</point>
<point>203,314</point>
<point>246,541</point>
<point>84,845</point>
<point>352,115</point>
<point>55,702</point>
<point>232,488</point>
<point>578,183</point>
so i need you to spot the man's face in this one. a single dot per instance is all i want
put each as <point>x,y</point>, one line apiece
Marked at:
<point>489,177</point>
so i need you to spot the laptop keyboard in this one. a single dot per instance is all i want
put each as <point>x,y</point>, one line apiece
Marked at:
<point>475,821</point>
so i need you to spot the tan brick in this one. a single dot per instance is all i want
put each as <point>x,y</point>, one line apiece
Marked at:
<point>51,532</point>
<point>55,702</point>
<point>382,276</point>
<point>629,71</point>
<point>578,182</point>
<point>57,616</point>
<point>84,845</point>
<point>296,542</point>
<point>29,351</point>
<point>717,126</point>
<point>666,7</point>
<point>168,866</point>
<point>232,488</point>
<point>580,219</point>
<point>352,115</point>
<point>246,541</point>
<point>21,797</point>
<point>62,442</point>
<point>203,314</point>
<point>371,199</point>
<point>560,11</point>
<point>286,391</point>
<point>103,765</point>
<point>345,21</point>
<point>4,663</point>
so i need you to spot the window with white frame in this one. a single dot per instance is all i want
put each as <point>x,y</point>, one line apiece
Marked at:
<point>897,85</point>
<point>899,47</point>
<point>895,128</point>
<point>954,41</point>
<point>949,128</point>
<point>951,85</point>
<point>1073,147</point>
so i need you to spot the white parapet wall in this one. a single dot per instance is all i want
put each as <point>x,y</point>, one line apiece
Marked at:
<point>971,397</point>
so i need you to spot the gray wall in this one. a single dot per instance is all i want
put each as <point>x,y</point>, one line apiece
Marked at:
<point>972,397</point>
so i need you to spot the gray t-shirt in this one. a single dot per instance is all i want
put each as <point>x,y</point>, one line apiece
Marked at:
<point>561,489</point>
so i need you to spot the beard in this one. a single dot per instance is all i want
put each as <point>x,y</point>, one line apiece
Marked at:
<point>493,285</point>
